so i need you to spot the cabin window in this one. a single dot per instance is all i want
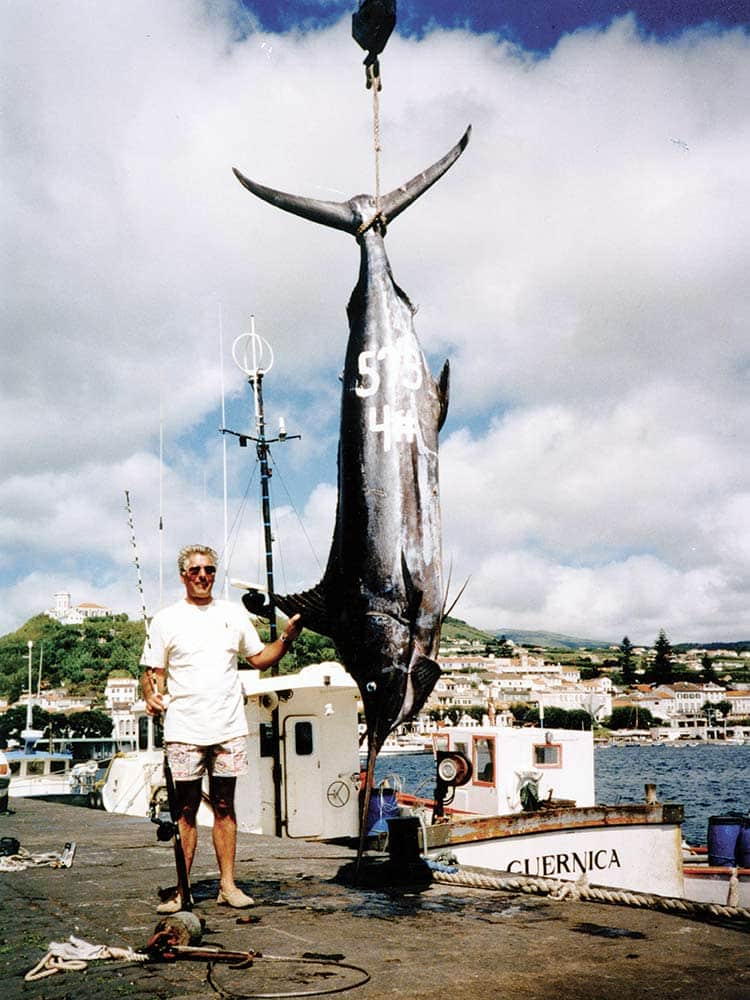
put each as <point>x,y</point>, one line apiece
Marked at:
<point>158,724</point>
<point>266,739</point>
<point>484,760</point>
<point>548,755</point>
<point>303,738</point>
<point>15,766</point>
<point>462,747</point>
<point>35,767</point>
<point>56,766</point>
<point>143,733</point>
<point>440,741</point>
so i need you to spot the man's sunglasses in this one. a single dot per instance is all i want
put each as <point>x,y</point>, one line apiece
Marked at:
<point>197,570</point>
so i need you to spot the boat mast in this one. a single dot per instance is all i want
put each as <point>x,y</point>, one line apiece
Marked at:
<point>254,356</point>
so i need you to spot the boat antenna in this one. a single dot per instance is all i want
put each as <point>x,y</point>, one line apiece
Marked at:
<point>224,455</point>
<point>137,562</point>
<point>161,507</point>
<point>254,356</point>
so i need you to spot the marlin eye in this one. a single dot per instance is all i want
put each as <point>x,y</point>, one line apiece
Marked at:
<point>371,686</point>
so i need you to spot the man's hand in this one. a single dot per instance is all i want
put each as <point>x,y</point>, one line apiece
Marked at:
<point>151,683</point>
<point>155,703</point>
<point>292,630</point>
<point>273,652</point>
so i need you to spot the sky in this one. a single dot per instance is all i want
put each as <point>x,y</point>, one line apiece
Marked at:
<point>583,267</point>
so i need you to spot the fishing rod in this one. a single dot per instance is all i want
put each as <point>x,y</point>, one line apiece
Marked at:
<point>166,830</point>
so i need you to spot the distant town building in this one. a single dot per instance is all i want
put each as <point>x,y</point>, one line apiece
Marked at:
<point>120,694</point>
<point>67,615</point>
<point>57,700</point>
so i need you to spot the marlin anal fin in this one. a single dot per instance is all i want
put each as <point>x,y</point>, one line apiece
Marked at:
<point>443,389</point>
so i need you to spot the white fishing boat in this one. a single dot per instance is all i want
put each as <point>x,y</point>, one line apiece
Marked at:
<point>35,770</point>
<point>38,771</point>
<point>522,802</point>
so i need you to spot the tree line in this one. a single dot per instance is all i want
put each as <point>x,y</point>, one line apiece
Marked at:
<point>80,658</point>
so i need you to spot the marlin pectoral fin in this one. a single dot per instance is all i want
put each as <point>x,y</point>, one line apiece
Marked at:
<point>443,388</point>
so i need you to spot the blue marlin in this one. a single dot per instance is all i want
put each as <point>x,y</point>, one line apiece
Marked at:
<point>381,597</point>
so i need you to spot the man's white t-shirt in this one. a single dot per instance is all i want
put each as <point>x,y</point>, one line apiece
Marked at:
<point>198,646</point>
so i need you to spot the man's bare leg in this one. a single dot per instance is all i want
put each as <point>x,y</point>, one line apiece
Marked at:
<point>221,792</point>
<point>188,799</point>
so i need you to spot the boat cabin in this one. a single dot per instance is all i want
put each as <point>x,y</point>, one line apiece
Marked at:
<point>303,779</point>
<point>513,770</point>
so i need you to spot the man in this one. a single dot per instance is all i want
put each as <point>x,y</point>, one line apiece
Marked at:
<point>192,657</point>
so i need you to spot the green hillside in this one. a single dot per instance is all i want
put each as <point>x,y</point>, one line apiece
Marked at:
<point>78,657</point>
<point>456,630</point>
<point>551,640</point>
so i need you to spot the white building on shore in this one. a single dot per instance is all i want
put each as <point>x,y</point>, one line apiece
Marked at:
<point>66,614</point>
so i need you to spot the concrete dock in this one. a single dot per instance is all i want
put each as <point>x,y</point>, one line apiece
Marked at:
<point>428,942</point>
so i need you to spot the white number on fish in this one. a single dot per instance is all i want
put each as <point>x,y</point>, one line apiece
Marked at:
<point>406,358</point>
<point>396,425</point>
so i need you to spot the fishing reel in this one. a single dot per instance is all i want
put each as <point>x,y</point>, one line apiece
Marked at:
<point>165,827</point>
<point>453,770</point>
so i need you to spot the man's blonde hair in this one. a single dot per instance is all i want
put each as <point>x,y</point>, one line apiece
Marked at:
<point>194,550</point>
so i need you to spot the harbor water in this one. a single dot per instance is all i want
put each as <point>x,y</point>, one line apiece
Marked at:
<point>708,780</point>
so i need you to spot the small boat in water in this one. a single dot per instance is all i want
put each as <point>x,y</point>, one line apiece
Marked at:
<point>35,770</point>
<point>44,773</point>
<point>400,743</point>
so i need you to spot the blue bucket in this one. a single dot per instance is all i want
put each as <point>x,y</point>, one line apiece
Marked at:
<point>723,840</point>
<point>742,852</point>
<point>383,806</point>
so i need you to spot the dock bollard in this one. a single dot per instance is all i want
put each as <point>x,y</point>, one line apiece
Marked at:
<point>403,839</point>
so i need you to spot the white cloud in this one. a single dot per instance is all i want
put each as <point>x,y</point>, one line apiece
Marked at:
<point>585,273</point>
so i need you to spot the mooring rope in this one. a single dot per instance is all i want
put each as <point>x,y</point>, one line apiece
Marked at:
<point>75,954</point>
<point>24,859</point>
<point>561,890</point>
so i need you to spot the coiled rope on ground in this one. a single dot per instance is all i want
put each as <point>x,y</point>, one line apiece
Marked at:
<point>561,890</point>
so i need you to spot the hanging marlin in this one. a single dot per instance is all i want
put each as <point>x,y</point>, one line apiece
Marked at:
<point>381,596</point>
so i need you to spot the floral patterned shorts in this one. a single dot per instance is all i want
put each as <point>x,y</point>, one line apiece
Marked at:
<point>188,762</point>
